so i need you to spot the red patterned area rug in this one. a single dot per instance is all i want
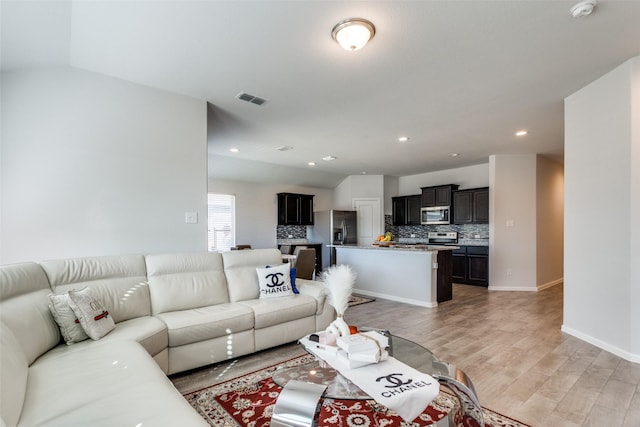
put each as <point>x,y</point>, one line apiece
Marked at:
<point>249,400</point>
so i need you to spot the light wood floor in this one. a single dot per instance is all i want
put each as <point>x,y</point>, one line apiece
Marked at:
<point>511,346</point>
<point>521,365</point>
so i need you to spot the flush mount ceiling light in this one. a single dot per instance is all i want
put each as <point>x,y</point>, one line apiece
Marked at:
<point>403,139</point>
<point>583,8</point>
<point>311,163</point>
<point>353,33</point>
<point>521,133</point>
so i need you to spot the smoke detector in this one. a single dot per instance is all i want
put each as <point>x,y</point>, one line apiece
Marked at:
<point>583,8</point>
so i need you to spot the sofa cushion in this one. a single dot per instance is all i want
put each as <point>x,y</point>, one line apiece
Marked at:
<point>185,281</point>
<point>148,331</point>
<point>65,317</point>
<point>116,384</point>
<point>273,311</point>
<point>275,281</point>
<point>24,308</point>
<point>240,270</point>
<point>203,323</point>
<point>118,281</point>
<point>13,376</point>
<point>92,314</point>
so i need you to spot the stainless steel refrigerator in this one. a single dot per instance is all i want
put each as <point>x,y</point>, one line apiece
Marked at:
<point>334,227</point>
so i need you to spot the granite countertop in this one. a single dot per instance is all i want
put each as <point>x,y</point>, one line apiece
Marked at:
<point>461,242</point>
<point>296,242</point>
<point>399,247</point>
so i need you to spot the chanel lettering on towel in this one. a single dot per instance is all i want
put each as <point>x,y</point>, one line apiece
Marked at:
<point>390,382</point>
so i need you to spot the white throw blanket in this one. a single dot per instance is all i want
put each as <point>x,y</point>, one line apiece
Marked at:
<point>391,383</point>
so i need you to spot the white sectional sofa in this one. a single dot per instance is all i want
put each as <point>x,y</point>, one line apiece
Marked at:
<point>173,312</point>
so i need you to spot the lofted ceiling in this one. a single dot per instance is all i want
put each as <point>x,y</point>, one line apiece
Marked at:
<point>455,76</point>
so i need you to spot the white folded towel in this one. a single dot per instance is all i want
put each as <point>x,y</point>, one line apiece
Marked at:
<point>391,383</point>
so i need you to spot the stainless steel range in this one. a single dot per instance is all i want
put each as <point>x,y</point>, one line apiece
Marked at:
<point>442,238</point>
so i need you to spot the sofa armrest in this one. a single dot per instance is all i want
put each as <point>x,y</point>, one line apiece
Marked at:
<point>314,289</point>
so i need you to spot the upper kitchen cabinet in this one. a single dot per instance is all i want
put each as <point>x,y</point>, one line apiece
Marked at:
<point>406,210</point>
<point>471,206</point>
<point>438,196</point>
<point>295,209</point>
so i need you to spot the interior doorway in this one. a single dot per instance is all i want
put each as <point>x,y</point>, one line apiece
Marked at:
<point>369,224</point>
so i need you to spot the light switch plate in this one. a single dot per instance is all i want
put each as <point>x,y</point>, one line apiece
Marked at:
<point>191,217</point>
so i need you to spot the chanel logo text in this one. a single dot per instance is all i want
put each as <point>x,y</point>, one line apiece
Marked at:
<point>275,280</point>
<point>398,385</point>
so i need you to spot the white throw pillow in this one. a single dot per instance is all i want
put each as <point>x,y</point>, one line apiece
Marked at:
<point>92,314</point>
<point>67,321</point>
<point>275,281</point>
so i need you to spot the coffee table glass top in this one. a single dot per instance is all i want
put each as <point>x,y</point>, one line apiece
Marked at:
<point>338,387</point>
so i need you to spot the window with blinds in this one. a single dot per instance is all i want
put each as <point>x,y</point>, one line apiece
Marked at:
<point>221,222</point>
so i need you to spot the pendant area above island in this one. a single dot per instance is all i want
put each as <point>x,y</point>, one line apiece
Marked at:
<point>413,274</point>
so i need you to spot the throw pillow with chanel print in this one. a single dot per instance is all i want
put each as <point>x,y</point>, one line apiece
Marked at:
<point>275,281</point>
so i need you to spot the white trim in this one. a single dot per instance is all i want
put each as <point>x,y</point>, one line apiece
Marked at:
<point>395,298</point>
<point>513,288</point>
<point>527,288</point>
<point>550,284</point>
<point>601,344</point>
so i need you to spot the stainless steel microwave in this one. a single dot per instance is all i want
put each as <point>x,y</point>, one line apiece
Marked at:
<point>435,215</point>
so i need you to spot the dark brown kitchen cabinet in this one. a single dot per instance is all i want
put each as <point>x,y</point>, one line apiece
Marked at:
<point>471,206</point>
<point>306,209</point>
<point>437,196</point>
<point>444,290</point>
<point>470,265</point>
<point>295,209</point>
<point>406,210</point>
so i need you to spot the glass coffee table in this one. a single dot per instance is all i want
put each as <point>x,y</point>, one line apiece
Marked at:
<point>329,383</point>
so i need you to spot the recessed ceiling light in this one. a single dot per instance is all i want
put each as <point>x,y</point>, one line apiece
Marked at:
<point>284,148</point>
<point>521,133</point>
<point>233,150</point>
<point>403,139</point>
<point>329,158</point>
<point>363,172</point>
<point>454,154</point>
<point>311,163</point>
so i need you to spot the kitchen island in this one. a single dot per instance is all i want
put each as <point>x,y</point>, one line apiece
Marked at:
<point>413,274</point>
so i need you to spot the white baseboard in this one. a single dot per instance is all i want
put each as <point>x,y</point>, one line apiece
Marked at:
<point>513,288</point>
<point>527,288</point>
<point>395,298</point>
<point>550,284</point>
<point>601,344</point>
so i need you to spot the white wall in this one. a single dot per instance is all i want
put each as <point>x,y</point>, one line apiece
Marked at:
<point>257,209</point>
<point>602,212</point>
<point>634,211</point>
<point>361,186</point>
<point>549,222</point>
<point>512,223</point>
<point>465,177</point>
<point>390,190</point>
<point>93,165</point>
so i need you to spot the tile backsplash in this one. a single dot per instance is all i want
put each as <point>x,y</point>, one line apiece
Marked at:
<point>295,231</point>
<point>465,231</point>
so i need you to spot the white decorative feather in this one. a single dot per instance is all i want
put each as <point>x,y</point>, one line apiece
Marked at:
<point>339,281</point>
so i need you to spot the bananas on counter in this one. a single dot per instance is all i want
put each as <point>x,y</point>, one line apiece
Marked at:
<point>386,237</point>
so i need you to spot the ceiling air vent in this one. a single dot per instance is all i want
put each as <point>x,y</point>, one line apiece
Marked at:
<point>251,98</point>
